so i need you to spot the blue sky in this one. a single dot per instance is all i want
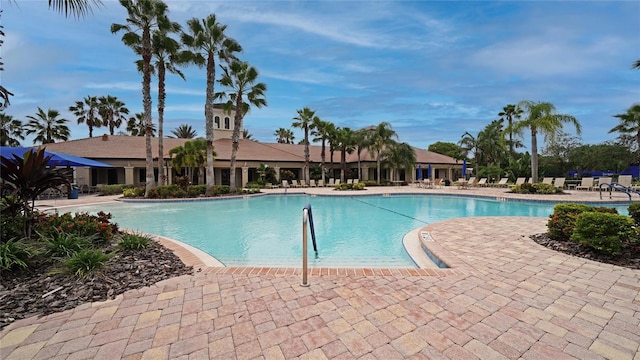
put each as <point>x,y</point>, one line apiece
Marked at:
<point>432,69</point>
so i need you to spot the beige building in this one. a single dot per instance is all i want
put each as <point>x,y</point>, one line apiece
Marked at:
<point>127,155</point>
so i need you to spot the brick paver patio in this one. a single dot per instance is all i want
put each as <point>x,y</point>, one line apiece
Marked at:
<point>505,298</point>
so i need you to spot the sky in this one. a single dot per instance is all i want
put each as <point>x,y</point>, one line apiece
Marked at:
<point>432,69</point>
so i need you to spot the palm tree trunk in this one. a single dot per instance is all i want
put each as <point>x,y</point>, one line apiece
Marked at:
<point>237,124</point>
<point>161,99</point>
<point>378,166</point>
<point>146,102</point>
<point>534,155</point>
<point>208,115</point>
<point>306,154</point>
<point>343,166</point>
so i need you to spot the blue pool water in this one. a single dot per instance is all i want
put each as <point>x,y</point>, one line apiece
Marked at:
<point>360,231</point>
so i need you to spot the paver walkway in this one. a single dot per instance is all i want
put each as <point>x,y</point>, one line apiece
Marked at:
<point>506,298</point>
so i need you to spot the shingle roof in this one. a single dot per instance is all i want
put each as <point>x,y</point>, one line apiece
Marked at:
<point>133,147</point>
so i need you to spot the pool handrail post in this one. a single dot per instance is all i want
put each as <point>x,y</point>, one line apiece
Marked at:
<point>305,219</point>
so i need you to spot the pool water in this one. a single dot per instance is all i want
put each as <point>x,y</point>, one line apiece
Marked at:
<point>359,231</point>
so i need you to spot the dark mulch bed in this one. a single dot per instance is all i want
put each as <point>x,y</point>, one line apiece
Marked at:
<point>22,293</point>
<point>629,256</point>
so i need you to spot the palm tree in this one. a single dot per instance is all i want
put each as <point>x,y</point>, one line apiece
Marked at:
<point>10,130</point>
<point>541,117</point>
<point>361,141</point>
<point>144,16</point>
<point>78,8</point>
<point>284,136</point>
<point>48,127</point>
<point>304,120</point>
<point>346,145</point>
<point>88,115</point>
<point>321,131</point>
<point>208,41</point>
<point>112,111</point>
<point>629,123</point>
<point>491,143</point>
<point>509,113</point>
<point>191,156</point>
<point>243,92</point>
<point>380,137</point>
<point>167,55</point>
<point>184,131</point>
<point>636,65</point>
<point>136,126</point>
<point>247,135</point>
<point>400,156</point>
<point>469,143</point>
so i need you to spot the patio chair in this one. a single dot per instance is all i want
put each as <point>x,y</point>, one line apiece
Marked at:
<point>481,183</point>
<point>332,182</point>
<point>547,180</point>
<point>285,184</point>
<point>521,180</point>
<point>472,181</point>
<point>585,184</point>
<point>303,183</point>
<point>321,183</point>
<point>337,182</point>
<point>312,183</point>
<point>559,182</point>
<point>349,181</point>
<point>438,183</point>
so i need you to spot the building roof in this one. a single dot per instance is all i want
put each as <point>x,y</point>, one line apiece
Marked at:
<point>134,147</point>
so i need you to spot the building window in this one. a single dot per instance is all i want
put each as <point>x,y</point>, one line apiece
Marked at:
<point>217,120</point>
<point>226,122</point>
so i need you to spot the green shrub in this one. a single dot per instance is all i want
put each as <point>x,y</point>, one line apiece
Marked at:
<point>64,245</point>
<point>12,226</point>
<point>358,186</point>
<point>82,224</point>
<point>133,242</point>
<point>634,212</point>
<point>219,190</point>
<point>196,190</point>
<point>133,192</point>
<point>253,185</point>
<point>250,191</point>
<point>14,253</point>
<point>86,261</point>
<point>602,231</point>
<point>114,189</point>
<point>369,182</point>
<point>562,222</point>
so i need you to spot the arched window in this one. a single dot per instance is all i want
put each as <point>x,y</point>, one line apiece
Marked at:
<point>226,122</point>
<point>217,120</point>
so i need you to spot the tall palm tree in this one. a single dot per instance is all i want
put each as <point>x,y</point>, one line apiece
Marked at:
<point>77,8</point>
<point>88,114</point>
<point>400,156</point>
<point>243,92</point>
<point>10,130</point>
<point>346,145</point>
<point>380,137</point>
<point>284,136</point>
<point>247,135</point>
<point>137,127</point>
<point>48,127</point>
<point>510,113</point>
<point>361,141</point>
<point>167,56</point>
<point>184,131</point>
<point>144,16</point>
<point>630,124</point>
<point>304,120</point>
<point>470,144</point>
<point>112,111</point>
<point>541,118</point>
<point>491,143</point>
<point>321,130</point>
<point>208,41</point>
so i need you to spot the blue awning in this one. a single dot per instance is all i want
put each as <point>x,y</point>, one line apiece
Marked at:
<point>57,159</point>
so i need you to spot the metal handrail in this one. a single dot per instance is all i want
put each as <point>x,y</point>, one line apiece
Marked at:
<point>617,187</point>
<point>307,218</point>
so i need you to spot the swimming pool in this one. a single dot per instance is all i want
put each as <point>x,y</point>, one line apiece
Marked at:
<point>351,231</point>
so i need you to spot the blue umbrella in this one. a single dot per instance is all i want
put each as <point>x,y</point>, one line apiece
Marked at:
<point>419,171</point>
<point>58,159</point>
<point>429,171</point>
<point>464,168</point>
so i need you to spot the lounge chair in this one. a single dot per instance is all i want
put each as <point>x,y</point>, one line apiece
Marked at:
<point>602,180</point>
<point>303,183</point>
<point>585,184</point>
<point>472,181</point>
<point>320,183</point>
<point>624,180</point>
<point>501,183</point>
<point>521,180</point>
<point>547,180</point>
<point>337,182</point>
<point>312,183</point>
<point>559,182</point>
<point>481,183</point>
<point>349,181</point>
<point>332,182</point>
<point>285,184</point>
<point>437,182</point>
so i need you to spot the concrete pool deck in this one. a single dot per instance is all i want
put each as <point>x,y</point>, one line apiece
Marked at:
<point>505,297</point>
